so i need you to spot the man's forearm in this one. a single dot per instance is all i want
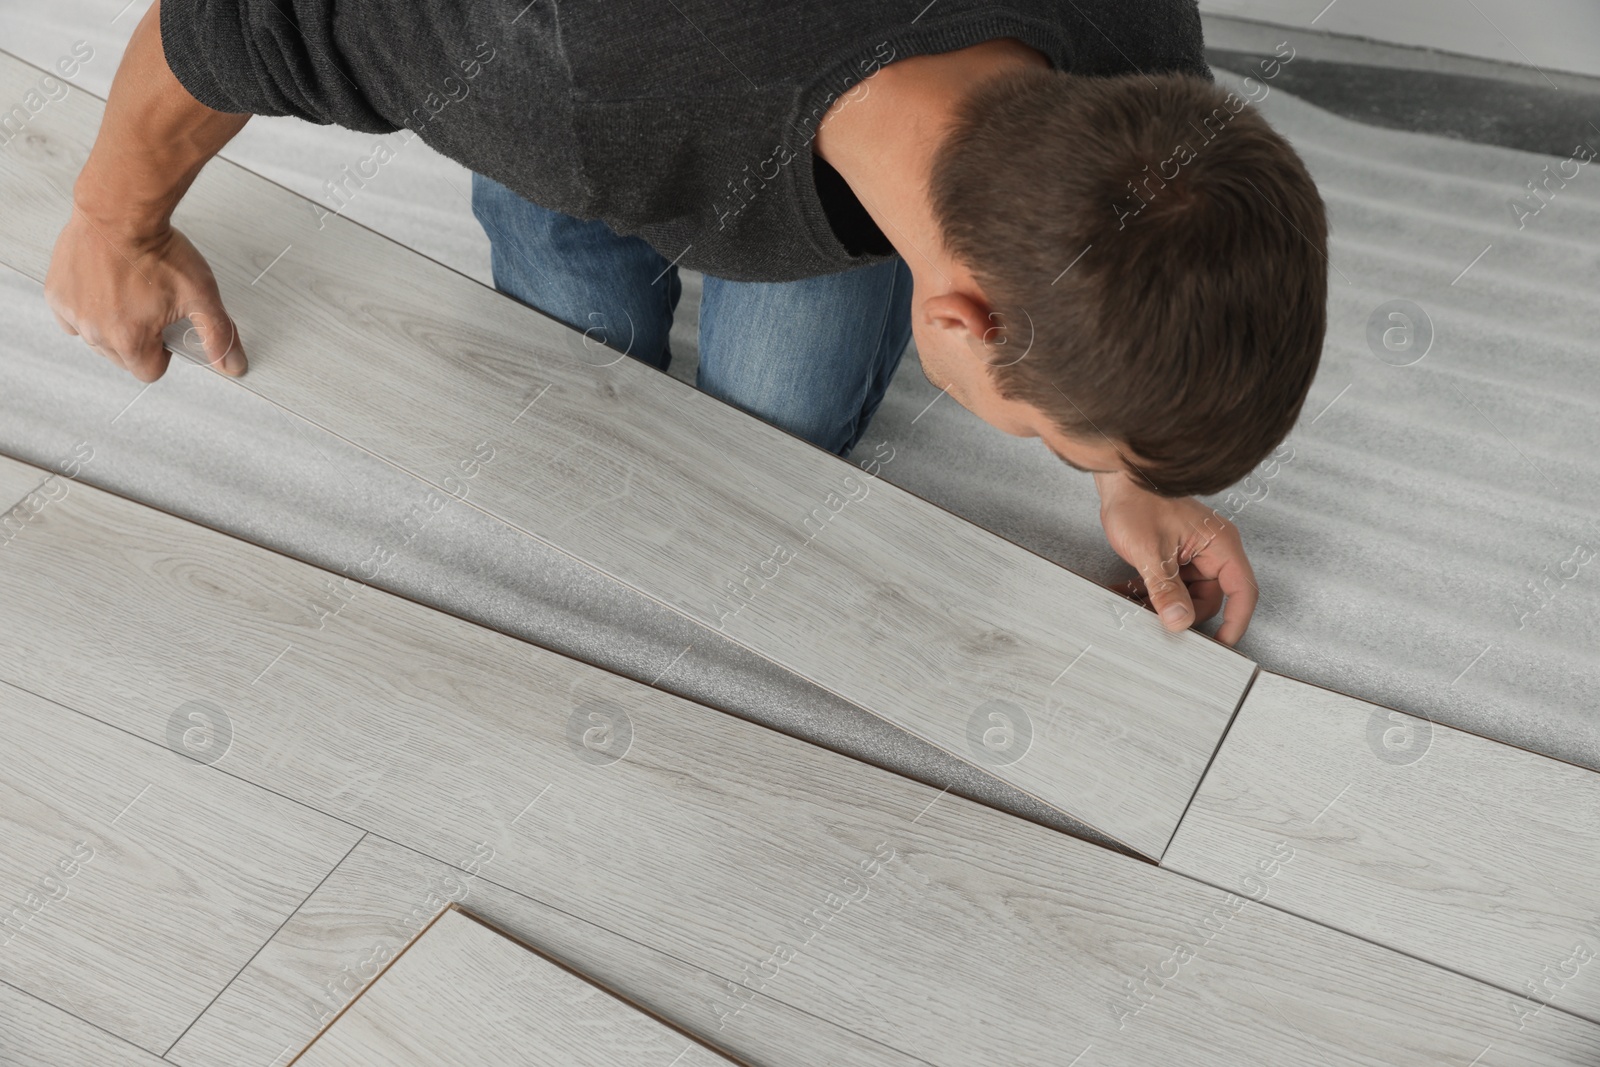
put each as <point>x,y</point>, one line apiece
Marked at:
<point>153,141</point>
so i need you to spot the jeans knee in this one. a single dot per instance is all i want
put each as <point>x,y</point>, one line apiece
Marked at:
<point>579,273</point>
<point>826,425</point>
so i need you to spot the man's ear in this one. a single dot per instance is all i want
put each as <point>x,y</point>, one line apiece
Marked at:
<point>965,317</point>
<point>990,336</point>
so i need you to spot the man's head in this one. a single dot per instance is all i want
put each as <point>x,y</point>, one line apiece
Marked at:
<point>1143,275</point>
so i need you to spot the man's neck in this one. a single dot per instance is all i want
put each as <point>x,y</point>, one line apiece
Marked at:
<point>882,142</point>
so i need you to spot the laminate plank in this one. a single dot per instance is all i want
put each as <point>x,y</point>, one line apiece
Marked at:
<point>17,481</point>
<point>924,922</point>
<point>37,1034</point>
<point>382,894</point>
<point>1471,854</point>
<point>934,624</point>
<point>135,881</point>
<point>462,994</point>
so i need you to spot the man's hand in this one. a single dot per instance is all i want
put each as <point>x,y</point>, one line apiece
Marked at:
<point>118,293</point>
<point>1188,557</point>
<point>120,273</point>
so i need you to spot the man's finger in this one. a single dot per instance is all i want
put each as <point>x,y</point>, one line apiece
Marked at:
<point>1239,586</point>
<point>144,356</point>
<point>1169,598</point>
<point>219,337</point>
<point>1206,595</point>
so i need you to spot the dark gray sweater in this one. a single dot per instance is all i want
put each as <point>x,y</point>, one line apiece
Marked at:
<point>686,122</point>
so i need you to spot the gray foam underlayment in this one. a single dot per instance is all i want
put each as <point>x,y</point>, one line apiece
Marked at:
<point>1394,549</point>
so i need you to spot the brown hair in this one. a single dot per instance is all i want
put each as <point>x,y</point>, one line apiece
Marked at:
<point>1156,249</point>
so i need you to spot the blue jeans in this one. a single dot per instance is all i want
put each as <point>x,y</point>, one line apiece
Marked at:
<point>813,357</point>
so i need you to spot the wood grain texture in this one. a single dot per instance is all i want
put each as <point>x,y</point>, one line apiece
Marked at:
<point>1472,854</point>
<point>924,922</point>
<point>36,1034</point>
<point>135,881</point>
<point>382,894</point>
<point>17,480</point>
<point>464,995</point>
<point>918,616</point>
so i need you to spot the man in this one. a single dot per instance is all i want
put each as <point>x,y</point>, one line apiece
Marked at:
<point>1089,241</point>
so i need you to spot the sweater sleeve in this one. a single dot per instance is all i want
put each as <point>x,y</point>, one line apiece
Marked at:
<point>268,57</point>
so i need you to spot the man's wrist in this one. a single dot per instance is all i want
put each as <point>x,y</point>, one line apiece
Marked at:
<point>1110,484</point>
<point>154,139</point>
<point>118,213</point>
